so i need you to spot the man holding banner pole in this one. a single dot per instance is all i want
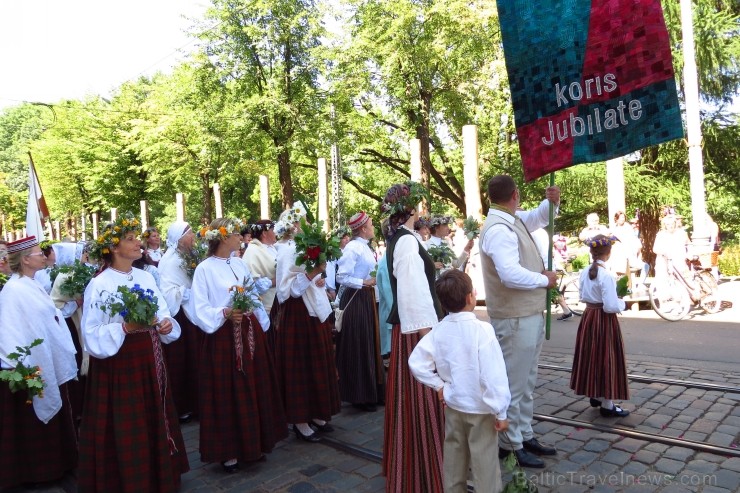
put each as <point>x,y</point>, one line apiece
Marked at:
<point>516,283</point>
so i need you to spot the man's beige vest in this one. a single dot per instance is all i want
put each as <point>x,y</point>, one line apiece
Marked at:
<point>503,302</point>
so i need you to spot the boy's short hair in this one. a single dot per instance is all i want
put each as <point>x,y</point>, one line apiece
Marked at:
<point>453,288</point>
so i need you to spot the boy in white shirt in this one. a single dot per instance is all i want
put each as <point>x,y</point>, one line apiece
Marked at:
<point>462,360</point>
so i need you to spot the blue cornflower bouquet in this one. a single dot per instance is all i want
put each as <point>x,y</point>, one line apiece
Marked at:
<point>135,304</point>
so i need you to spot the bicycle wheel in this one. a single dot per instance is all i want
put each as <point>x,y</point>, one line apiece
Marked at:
<point>670,300</point>
<point>572,295</point>
<point>709,300</point>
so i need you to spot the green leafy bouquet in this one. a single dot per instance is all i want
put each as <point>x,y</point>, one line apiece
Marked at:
<point>471,228</point>
<point>74,285</point>
<point>24,377</point>
<point>135,304</point>
<point>192,258</point>
<point>442,253</point>
<point>3,280</point>
<point>314,247</point>
<point>623,287</point>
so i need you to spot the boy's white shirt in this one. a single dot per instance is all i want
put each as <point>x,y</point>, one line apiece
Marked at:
<point>462,354</point>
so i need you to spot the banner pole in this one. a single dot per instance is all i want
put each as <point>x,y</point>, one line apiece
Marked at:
<point>550,233</point>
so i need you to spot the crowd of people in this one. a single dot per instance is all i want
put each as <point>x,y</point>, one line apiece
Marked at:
<point>235,333</point>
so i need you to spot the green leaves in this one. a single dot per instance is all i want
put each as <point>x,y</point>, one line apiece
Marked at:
<point>24,377</point>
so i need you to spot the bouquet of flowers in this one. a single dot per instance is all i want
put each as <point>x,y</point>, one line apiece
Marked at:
<point>471,228</point>
<point>241,297</point>
<point>74,285</point>
<point>24,377</point>
<point>134,304</point>
<point>314,247</point>
<point>442,253</point>
<point>192,258</point>
<point>3,280</point>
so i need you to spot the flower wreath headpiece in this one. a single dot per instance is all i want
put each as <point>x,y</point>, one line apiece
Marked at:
<point>601,240</point>
<point>403,197</point>
<point>147,233</point>
<point>112,233</point>
<point>440,220</point>
<point>220,233</point>
<point>341,232</point>
<point>294,214</point>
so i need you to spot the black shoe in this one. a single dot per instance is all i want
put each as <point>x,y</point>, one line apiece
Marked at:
<point>533,445</point>
<point>615,412</point>
<point>325,428</point>
<point>595,402</point>
<point>365,406</point>
<point>524,458</point>
<point>313,438</point>
<point>186,418</point>
<point>231,468</point>
<point>565,316</point>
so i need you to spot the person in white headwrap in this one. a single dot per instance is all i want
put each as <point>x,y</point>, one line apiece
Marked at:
<point>38,440</point>
<point>182,354</point>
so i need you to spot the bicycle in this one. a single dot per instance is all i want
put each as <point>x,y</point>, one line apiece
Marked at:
<point>676,294</point>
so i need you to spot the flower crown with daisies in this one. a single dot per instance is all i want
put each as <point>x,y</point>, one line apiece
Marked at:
<point>112,233</point>
<point>440,220</point>
<point>220,233</point>
<point>403,197</point>
<point>601,241</point>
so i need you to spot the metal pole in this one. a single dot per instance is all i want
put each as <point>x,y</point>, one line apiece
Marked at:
<point>323,194</point>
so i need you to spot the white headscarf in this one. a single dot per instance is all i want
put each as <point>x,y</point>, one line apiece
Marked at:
<point>80,249</point>
<point>65,253</point>
<point>176,231</point>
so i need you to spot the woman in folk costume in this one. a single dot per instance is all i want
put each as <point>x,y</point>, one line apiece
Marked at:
<point>37,440</point>
<point>71,308</point>
<point>599,365</point>
<point>241,412</point>
<point>414,418</point>
<point>51,249</point>
<point>304,354</point>
<point>261,257</point>
<point>358,344</point>
<point>152,243</point>
<point>286,225</point>
<point>181,355</point>
<point>130,438</point>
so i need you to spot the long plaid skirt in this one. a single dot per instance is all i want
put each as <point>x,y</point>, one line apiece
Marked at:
<point>599,366</point>
<point>124,444</point>
<point>182,365</point>
<point>32,451</point>
<point>305,359</point>
<point>413,441</point>
<point>241,412</point>
<point>358,348</point>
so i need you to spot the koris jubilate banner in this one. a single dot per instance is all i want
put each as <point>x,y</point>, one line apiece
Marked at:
<point>590,80</point>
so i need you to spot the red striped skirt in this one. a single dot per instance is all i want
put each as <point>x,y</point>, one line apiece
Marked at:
<point>32,451</point>
<point>414,425</point>
<point>182,364</point>
<point>124,444</point>
<point>599,365</point>
<point>358,348</point>
<point>305,359</point>
<point>241,412</point>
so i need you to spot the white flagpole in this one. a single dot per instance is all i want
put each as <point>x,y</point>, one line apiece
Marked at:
<point>33,217</point>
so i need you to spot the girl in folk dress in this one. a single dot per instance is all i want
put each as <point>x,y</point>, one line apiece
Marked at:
<point>241,412</point>
<point>130,438</point>
<point>152,243</point>
<point>599,366</point>
<point>303,346</point>
<point>414,418</point>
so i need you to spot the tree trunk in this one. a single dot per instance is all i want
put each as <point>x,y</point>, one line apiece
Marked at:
<point>207,196</point>
<point>286,183</point>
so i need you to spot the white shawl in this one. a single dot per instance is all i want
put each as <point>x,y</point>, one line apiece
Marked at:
<point>262,262</point>
<point>293,282</point>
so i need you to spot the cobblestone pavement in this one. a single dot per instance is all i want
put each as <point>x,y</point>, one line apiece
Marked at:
<point>587,460</point>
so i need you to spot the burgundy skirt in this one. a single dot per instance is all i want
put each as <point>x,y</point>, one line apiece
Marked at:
<point>304,356</point>
<point>241,411</point>
<point>182,365</point>
<point>599,366</point>
<point>129,441</point>
<point>31,451</point>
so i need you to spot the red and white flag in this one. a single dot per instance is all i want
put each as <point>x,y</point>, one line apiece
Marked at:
<point>36,209</point>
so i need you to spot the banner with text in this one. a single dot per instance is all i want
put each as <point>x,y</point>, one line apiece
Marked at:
<point>590,80</point>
